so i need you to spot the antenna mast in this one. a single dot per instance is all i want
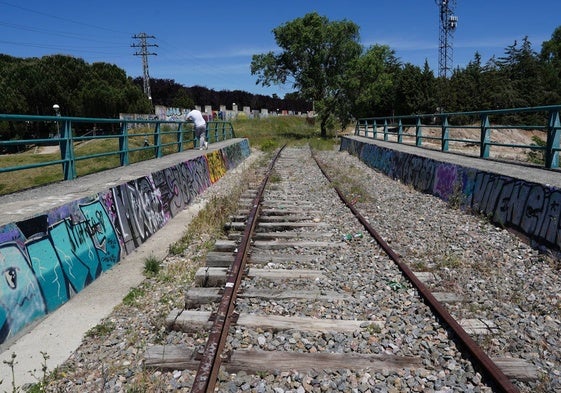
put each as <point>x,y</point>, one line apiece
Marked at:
<point>143,45</point>
<point>447,24</point>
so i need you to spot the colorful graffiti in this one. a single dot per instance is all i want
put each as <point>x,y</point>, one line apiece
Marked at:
<point>531,208</point>
<point>47,259</point>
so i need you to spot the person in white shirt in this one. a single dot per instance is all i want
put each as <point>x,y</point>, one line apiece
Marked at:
<point>200,127</point>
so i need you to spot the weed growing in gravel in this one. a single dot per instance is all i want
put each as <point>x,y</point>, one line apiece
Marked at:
<point>350,182</point>
<point>458,198</point>
<point>275,178</point>
<point>175,248</point>
<point>101,330</point>
<point>373,328</point>
<point>449,261</point>
<point>269,145</point>
<point>144,382</point>
<point>419,266</point>
<point>476,308</point>
<point>151,266</point>
<point>209,221</point>
<point>181,271</point>
<point>132,297</point>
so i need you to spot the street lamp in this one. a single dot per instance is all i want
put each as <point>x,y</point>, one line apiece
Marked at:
<point>56,108</point>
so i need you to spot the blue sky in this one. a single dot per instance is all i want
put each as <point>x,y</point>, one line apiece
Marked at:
<point>211,43</point>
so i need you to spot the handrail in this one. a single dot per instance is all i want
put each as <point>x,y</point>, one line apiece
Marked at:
<point>79,139</point>
<point>483,127</point>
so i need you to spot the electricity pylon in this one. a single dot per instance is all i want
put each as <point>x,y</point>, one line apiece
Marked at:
<point>447,24</point>
<point>143,45</point>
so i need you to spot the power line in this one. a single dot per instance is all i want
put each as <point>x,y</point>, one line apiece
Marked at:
<point>59,33</point>
<point>104,47</point>
<point>59,48</point>
<point>59,18</point>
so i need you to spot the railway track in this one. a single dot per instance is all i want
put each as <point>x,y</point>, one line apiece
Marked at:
<point>305,296</point>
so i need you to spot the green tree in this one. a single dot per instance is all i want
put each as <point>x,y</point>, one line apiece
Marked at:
<point>414,90</point>
<point>468,87</point>
<point>550,58</point>
<point>109,92</point>
<point>315,56</point>
<point>182,99</point>
<point>370,81</point>
<point>520,66</point>
<point>13,101</point>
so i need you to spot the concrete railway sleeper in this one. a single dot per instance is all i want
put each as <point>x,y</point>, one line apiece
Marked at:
<point>303,297</point>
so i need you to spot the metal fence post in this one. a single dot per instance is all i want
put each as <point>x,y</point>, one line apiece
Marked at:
<point>445,134</point>
<point>124,144</point>
<point>385,130</point>
<point>158,140</point>
<point>485,136</point>
<point>418,132</point>
<point>67,151</point>
<point>179,137</point>
<point>553,140</point>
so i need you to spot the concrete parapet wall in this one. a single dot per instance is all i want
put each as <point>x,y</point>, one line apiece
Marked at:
<point>530,208</point>
<point>45,260</point>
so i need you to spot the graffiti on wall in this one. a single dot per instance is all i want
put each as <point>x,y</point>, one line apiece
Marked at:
<point>47,259</point>
<point>531,208</point>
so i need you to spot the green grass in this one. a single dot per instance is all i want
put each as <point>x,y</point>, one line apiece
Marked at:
<point>132,297</point>
<point>211,220</point>
<point>273,132</point>
<point>537,156</point>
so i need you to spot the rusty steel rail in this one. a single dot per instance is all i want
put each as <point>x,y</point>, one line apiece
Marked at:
<point>489,367</point>
<point>209,365</point>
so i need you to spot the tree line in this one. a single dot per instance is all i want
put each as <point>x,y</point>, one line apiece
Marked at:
<point>169,93</point>
<point>101,90</point>
<point>325,63</point>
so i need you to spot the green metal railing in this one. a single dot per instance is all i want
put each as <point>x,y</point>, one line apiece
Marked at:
<point>127,140</point>
<point>485,130</point>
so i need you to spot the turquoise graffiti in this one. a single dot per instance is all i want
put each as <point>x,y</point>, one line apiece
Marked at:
<point>21,301</point>
<point>59,260</point>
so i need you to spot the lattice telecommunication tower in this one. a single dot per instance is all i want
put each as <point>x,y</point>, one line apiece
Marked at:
<point>143,45</point>
<point>447,25</point>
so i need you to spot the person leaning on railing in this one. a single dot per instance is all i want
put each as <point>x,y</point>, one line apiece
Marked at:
<point>200,127</point>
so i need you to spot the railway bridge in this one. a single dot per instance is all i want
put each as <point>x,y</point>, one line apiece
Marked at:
<point>84,238</point>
